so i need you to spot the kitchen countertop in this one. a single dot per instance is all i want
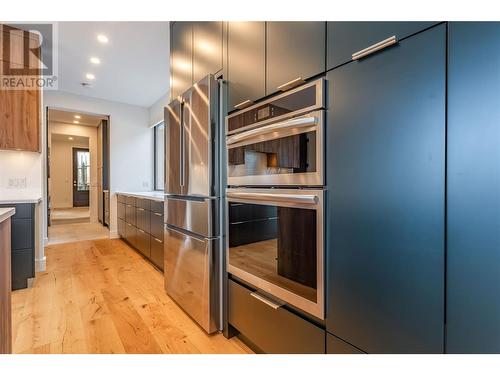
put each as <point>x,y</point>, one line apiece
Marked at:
<point>6,212</point>
<point>154,195</point>
<point>19,197</point>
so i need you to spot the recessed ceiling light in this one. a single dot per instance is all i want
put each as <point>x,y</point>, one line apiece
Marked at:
<point>90,76</point>
<point>77,116</point>
<point>70,138</point>
<point>102,38</point>
<point>76,122</point>
<point>95,60</point>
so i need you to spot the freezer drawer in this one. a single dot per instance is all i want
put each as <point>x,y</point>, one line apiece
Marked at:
<point>192,276</point>
<point>198,216</point>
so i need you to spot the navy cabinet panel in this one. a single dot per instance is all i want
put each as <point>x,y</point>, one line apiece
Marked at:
<point>386,176</point>
<point>22,268</point>
<point>334,345</point>
<point>207,48</point>
<point>345,38</point>
<point>293,50</point>
<point>246,62</point>
<point>181,58</point>
<point>473,189</point>
<point>22,234</point>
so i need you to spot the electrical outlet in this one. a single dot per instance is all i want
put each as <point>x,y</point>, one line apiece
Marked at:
<point>17,183</point>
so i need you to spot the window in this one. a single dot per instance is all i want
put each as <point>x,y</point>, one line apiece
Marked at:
<point>159,155</point>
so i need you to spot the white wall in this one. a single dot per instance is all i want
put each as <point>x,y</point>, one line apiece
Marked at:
<point>156,110</point>
<point>61,173</point>
<point>131,142</point>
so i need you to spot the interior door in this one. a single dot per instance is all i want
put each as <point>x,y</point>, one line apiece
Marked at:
<point>386,178</point>
<point>173,151</point>
<point>81,177</point>
<point>198,128</point>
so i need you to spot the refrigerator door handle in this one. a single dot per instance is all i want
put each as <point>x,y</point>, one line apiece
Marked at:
<point>181,148</point>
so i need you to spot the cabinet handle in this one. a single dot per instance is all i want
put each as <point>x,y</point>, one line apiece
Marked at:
<point>157,240</point>
<point>129,205</point>
<point>375,47</point>
<point>270,303</point>
<point>140,230</point>
<point>290,84</point>
<point>140,209</point>
<point>129,224</point>
<point>243,104</point>
<point>157,214</point>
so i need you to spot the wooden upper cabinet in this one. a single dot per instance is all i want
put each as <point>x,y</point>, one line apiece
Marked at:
<point>295,52</point>
<point>207,49</point>
<point>246,62</point>
<point>181,52</point>
<point>19,109</point>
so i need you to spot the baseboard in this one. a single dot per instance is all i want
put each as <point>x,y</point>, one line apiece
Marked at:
<point>113,234</point>
<point>41,264</point>
<point>45,241</point>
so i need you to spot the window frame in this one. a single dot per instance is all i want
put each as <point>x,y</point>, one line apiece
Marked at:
<point>155,163</point>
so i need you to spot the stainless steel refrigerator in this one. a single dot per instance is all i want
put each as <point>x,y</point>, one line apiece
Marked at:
<point>192,203</point>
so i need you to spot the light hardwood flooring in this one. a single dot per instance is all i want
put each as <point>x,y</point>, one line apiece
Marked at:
<point>100,296</point>
<point>63,233</point>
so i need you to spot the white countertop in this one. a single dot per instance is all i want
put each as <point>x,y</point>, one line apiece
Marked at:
<point>14,197</point>
<point>6,212</point>
<point>155,195</point>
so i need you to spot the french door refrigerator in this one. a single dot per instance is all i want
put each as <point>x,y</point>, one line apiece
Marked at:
<point>192,203</point>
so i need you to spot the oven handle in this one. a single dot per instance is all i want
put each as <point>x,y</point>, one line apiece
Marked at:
<point>267,197</point>
<point>293,123</point>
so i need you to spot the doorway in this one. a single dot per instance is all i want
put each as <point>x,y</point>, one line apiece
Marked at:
<point>77,156</point>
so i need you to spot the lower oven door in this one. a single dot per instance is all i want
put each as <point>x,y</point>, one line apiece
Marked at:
<point>275,243</point>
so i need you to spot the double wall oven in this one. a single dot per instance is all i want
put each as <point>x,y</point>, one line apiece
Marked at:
<point>275,198</point>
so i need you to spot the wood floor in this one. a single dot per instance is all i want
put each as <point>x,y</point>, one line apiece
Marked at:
<point>100,296</point>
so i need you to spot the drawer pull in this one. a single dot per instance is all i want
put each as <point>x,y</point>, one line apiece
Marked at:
<point>157,240</point>
<point>140,209</point>
<point>291,84</point>
<point>243,104</point>
<point>129,205</point>
<point>140,230</point>
<point>157,214</point>
<point>129,224</point>
<point>270,303</point>
<point>375,47</point>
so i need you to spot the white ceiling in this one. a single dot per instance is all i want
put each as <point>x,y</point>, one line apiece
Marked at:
<point>134,66</point>
<point>56,115</point>
<point>76,139</point>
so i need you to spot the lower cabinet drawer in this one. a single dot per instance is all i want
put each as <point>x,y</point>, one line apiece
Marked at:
<point>22,268</point>
<point>130,214</point>
<point>121,198</point>
<point>272,330</point>
<point>156,224</point>
<point>121,210</point>
<point>121,227</point>
<point>157,206</point>
<point>131,234</point>
<point>142,219</point>
<point>142,243</point>
<point>335,345</point>
<point>157,252</point>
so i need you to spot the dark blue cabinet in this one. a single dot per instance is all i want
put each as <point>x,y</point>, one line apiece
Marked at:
<point>473,189</point>
<point>386,189</point>
<point>346,38</point>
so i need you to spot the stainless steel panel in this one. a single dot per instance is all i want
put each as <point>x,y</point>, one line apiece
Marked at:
<point>173,162</point>
<point>197,216</point>
<point>200,141</point>
<point>191,276</point>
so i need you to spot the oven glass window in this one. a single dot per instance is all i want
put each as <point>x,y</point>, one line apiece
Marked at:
<point>291,154</point>
<point>276,244</point>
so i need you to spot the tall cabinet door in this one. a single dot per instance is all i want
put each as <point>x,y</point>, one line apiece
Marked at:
<point>173,139</point>
<point>181,53</point>
<point>473,186</point>
<point>295,51</point>
<point>207,48</point>
<point>386,178</point>
<point>246,63</point>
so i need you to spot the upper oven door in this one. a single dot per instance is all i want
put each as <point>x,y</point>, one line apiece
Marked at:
<point>278,142</point>
<point>288,152</point>
<point>275,243</point>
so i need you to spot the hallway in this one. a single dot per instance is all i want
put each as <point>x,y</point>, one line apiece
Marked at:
<point>65,233</point>
<point>102,297</point>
